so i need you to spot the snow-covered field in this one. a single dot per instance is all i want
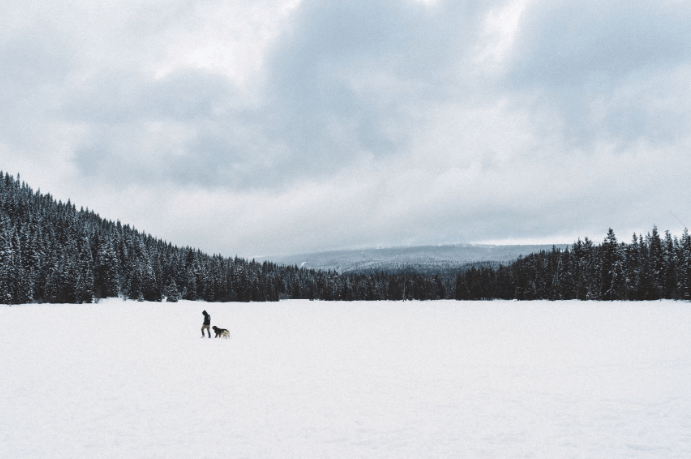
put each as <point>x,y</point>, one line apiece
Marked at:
<point>300,379</point>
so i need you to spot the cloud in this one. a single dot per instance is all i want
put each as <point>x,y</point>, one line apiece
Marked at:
<point>37,65</point>
<point>350,78</point>
<point>346,80</point>
<point>259,127</point>
<point>605,71</point>
<point>570,44</point>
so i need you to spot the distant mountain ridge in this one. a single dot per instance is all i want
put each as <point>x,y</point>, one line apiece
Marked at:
<point>431,258</point>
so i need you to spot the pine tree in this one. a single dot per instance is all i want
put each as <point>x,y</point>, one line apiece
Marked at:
<point>656,261</point>
<point>84,289</point>
<point>632,268</point>
<point>685,266</point>
<point>612,269</point>
<point>8,268</point>
<point>670,260</point>
<point>106,274</point>
<point>647,289</point>
<point>171,292</point>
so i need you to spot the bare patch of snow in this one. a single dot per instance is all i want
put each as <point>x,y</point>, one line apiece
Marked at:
<point>342,380</point>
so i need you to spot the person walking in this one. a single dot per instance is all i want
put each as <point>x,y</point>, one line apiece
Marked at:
<point>207,322</point>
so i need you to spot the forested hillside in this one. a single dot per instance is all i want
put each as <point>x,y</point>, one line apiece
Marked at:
<point>649,268</point>
<point>52,252</point>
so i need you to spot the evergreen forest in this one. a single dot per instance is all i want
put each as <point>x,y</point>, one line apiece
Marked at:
<point>50,252</point>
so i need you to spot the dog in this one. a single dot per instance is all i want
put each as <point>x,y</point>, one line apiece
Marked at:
<point>221,332</point>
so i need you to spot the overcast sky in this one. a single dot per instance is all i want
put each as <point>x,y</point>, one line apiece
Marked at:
<point>259,127</point>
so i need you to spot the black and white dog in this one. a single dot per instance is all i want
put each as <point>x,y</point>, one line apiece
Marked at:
<point>222,332</point>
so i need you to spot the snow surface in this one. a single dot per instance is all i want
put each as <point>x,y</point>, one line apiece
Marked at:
<point>301,379</point>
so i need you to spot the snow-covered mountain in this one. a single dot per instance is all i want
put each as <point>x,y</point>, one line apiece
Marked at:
<point>436,258</point>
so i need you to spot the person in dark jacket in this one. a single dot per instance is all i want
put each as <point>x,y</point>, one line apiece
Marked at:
<point>207,322</point>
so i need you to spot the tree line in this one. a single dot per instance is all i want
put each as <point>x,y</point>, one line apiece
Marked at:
<point>650,267</point>
<point>51,252</point>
